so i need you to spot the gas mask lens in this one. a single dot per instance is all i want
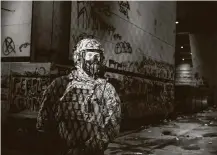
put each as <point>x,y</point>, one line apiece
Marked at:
<point>93,61</point>
<point>93,57</point>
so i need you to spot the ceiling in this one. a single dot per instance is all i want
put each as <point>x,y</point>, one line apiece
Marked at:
<point>193,17</point>
<point>197,16</point>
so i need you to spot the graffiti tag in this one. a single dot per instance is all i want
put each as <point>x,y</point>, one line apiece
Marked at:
<point>124,7</point>
<point>25,45</point>
<point>8,46</point>
<point>26,92</point>
<point>123,47</point>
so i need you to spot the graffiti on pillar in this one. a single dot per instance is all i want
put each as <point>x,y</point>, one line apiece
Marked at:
<point>124,7</point>
<point>8,46</point>
<point>123,47</point>
<point>25,45</point>
<point>9,10</point>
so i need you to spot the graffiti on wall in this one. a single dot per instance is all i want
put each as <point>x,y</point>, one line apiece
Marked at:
<point>5,80</point>
<point>8,46</point>
<point>123,47</point>
<point>110,30</point>
<point>124,7</point>
<point>26,92</point>
<point>88,17</point>
<point>25,45</point>
<point>11,38</point>
<point>60,70</point>
<point>147,67</point>
<point>38,71</point>
<point>20,69</point>
<point>117,65</point>
<point>117,36</point>
<point>83,14</point>
<point>103,7</point>
<point>143,95</point>
<point>120,47</point>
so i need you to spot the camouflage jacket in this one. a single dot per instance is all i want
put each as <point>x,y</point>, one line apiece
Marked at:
<point>81,109</point>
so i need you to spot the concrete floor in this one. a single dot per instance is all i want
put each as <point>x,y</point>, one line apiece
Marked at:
<point>187,135</point>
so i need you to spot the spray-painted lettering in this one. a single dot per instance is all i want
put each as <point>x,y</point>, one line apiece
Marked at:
<point>124,7</point>
<point>123,47</point>
<point>26,92</point>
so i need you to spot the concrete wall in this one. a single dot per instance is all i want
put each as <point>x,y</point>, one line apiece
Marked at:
<point>22,88</point>
<point>204,56</point>
<point>191,92</point>
<point>184,74</point>
<point>139,37</point>
<point>16,18</point>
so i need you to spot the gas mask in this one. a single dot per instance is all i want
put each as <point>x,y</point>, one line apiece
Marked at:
<point>92,62</point>
<point>88,56</point>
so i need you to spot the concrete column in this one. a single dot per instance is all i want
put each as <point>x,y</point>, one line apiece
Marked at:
<point>51,31</point>
<point>204,58</point>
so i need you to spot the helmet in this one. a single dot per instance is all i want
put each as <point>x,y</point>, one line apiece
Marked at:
<point>86,44</point>
<point>90,65</point>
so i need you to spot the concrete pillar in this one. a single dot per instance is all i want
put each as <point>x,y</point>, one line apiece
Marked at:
<point>50,31</point>
<point>16,17</point>
<point>204,58</point>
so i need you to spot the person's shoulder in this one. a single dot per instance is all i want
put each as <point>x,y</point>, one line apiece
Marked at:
<point>61,78</point>
<point>64,78</point>
<point>102,81</point>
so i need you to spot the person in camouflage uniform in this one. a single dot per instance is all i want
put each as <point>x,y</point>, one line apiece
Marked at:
<point>81,108</point>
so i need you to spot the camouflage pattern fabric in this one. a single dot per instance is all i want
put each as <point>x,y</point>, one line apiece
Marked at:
<point>84,112</point>
<point>86,44</point>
